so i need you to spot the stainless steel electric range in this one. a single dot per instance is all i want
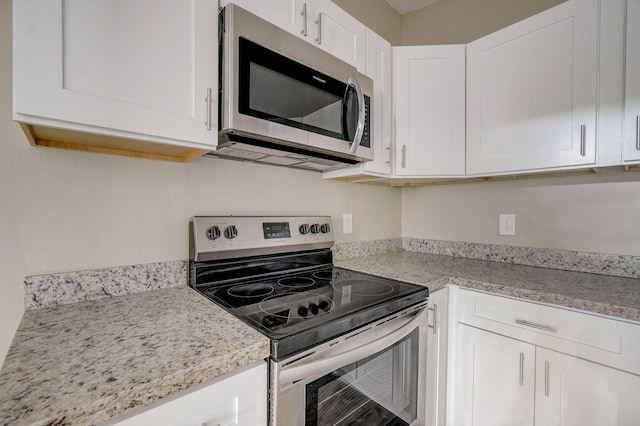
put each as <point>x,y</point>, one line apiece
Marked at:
<point>347,348</point>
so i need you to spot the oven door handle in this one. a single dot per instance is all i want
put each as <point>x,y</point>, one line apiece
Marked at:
<point>392,332</point>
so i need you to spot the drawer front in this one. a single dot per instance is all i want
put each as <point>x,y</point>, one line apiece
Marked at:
<point>603,340</point>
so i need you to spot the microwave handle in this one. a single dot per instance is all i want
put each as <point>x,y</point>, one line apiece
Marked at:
<point>393,332</point>
<point>353,82</point>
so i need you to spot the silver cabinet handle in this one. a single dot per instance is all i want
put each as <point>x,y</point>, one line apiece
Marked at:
<point>208,99</point>
<point>521,369</point>
<point>434,327</point>
<point>303,13</point>
<point>388,148</point>
<point>583,140</point>
<point>319,22</point>
<point>546,378</point>
<point>638,132</point>
<point>404,156</point>
<point>538,326</point>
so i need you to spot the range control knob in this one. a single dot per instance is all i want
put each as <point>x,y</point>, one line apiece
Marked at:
<point>325,228</point>
<point>324,305</point>
<point>315,228</point>
<point>231,232</point>
<point>313,308</point>
<point>304,229</point>
<point>303,311</point>
<point>213,233</point>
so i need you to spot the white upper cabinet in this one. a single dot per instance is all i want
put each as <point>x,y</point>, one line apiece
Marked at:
<point>532,92</point>
<point>134,70</point>
<point>337,32</point>
<point>631,143</point>
<point>429,110</point>
<point>320,22</point>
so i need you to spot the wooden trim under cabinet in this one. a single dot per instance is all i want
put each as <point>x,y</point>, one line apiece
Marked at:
<point>91,142</point>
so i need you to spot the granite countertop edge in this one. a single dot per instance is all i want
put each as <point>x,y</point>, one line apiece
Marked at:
<point>550,286</point>
<point>92,379</point>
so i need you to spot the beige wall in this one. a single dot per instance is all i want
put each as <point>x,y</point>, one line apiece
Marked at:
<point>462,21</point>
<point>377,15</point>
<point>593,213</point>
<point>66,211</point>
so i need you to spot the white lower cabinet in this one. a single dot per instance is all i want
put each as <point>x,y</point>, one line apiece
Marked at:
<point>504,381</point>
<point>495,380</point>
<point>239,399</point>
<point>574,392</point>
<point>524,363</point>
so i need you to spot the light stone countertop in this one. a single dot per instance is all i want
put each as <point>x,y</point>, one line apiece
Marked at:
<point>602,294</point>
<point>84,363</point>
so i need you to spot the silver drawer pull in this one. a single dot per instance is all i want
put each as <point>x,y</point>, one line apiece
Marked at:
<point>538,326</point>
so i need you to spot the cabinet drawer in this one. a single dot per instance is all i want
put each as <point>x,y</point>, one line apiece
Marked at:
<point>611,342</point>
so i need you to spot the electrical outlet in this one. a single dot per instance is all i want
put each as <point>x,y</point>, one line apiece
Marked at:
<point>347,223</point>
<point>507,224</point>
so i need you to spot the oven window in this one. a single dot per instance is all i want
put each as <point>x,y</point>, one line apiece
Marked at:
<point>378,390</point>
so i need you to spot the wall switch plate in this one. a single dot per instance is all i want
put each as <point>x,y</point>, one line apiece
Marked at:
<point>347,223</point>
<point>507,224</point>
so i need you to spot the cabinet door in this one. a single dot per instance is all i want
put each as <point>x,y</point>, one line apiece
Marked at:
<point>124,68</point>
<point>240,399</point>
<point>379,68</point>
<point>531,92</point>
<point>574,392</point>
<point>337,32</point>
<point>437,350</point>
<point>286,14</point>
<point>429,110</point>
<point>632,88</point>
<point>494,382</point>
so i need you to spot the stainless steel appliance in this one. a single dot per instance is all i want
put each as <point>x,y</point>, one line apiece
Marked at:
<point>286,102</point>
<point>346,348</point>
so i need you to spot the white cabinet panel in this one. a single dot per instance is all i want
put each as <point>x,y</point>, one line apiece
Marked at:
<point>93,66</point>
<point>337,32</point>
<point>495,380</point>
<point>239,399</point>
<point>532,92</point>
<point>286,14</point>
<point>429,110</point>
<point>574,392</point>
<point>632,89</point>
<point>437,350</point>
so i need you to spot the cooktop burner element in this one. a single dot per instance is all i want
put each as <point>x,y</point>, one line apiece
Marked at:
<point>296,282</point>
<point>370,287</point>
<point>251,290</point>
<point>284,284</point>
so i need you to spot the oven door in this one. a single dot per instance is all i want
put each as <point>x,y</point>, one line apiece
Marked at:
<point>372,376</point>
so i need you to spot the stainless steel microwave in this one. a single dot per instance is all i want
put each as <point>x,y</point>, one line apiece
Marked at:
<point>284,101</point>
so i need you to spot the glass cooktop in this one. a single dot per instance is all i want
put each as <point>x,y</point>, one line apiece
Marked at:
<point>297,310</point>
